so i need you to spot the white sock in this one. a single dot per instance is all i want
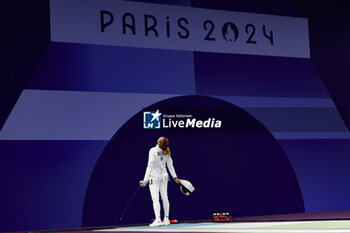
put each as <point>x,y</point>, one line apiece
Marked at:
<point>166,207</point>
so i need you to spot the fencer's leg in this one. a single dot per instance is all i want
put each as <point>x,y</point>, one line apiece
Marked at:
<point>166,205</point>
<point>154,190</point>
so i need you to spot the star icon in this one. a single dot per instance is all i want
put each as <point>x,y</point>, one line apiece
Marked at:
<point>156,115</point>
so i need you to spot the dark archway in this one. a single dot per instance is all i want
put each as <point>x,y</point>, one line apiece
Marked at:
<point>240,169</point>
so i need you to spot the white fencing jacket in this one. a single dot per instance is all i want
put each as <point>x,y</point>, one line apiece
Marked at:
<point>157,162</point>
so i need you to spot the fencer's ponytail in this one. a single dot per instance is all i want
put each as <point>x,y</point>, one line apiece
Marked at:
<point>164,145</point>
<point>167,152</point>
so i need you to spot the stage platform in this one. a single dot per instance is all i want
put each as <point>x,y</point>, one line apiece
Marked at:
<point>316,222</point>
<point>237,227</point>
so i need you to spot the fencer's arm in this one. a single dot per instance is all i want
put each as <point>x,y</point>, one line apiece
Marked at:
<point>171,167</point>
<point>151,159</point>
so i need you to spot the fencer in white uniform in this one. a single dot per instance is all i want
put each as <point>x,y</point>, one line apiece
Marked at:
<point>157,178</point>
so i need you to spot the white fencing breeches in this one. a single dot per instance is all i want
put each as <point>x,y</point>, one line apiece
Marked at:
<point>157,186</point>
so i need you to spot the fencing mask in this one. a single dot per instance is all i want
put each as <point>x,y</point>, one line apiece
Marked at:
<point>186,187</point>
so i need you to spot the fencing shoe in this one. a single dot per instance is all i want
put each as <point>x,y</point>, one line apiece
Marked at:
<point>166,222</point>
<point>156,223</point>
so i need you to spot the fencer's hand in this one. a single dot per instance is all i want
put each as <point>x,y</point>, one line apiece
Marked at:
<point>177,180</point>
<point>143,183</point>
